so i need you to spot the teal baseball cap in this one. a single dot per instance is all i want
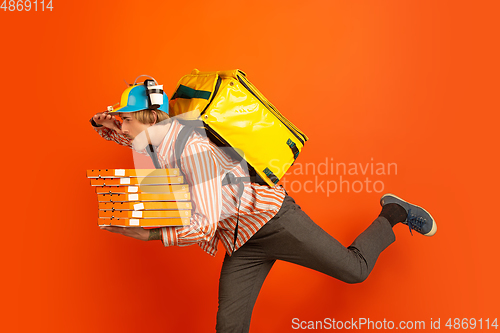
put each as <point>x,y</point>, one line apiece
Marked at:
<point>135,98</point>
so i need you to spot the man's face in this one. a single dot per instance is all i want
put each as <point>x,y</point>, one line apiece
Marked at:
<point>132,127</point>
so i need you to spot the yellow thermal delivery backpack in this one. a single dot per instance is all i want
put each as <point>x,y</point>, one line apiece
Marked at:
<point>238,115</point>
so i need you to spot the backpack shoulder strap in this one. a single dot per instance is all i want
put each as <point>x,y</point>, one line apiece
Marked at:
<point>195,125</point>
<point>189,127</point>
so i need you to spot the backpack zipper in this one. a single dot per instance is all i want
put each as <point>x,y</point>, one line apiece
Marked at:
<point>278,115</point>
<point>216,89</point>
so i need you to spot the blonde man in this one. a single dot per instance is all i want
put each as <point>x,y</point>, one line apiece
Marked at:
<point>271,226</point>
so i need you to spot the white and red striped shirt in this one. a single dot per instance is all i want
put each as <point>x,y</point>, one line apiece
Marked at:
<point>215,207</point>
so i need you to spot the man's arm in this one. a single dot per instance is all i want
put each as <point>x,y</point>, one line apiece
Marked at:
<point>108,127</point>
<point>136,232</point>
<point>203,176</point>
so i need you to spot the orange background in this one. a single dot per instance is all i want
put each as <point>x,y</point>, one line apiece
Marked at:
<point>407,82</point>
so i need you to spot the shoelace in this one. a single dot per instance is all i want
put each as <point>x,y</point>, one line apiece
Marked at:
<point>415,222</point>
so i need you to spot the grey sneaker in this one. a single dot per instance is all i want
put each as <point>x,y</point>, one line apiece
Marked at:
<point>418,219</point>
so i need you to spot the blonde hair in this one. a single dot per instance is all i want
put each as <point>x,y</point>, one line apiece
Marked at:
<point>148,117</point>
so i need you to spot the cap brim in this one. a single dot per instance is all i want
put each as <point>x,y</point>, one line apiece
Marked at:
<point>124,109</point>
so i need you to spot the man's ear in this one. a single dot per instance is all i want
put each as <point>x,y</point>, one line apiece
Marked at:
<point>155,116</point>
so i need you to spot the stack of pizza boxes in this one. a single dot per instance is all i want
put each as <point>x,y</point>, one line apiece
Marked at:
<point>141,197</point>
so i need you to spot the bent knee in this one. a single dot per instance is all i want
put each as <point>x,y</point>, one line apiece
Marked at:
<point>355,279</point>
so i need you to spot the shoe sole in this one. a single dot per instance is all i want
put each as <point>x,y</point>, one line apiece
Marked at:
<point>434,225</point>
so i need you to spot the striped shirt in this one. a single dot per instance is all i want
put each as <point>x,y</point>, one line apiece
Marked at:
<point>215,207</point>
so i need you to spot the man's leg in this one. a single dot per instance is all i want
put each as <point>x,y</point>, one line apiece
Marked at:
<point>292,236</point>
<point>241,278</point>
<point>297,239</point>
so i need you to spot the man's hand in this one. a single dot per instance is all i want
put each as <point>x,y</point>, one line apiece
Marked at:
<point>107,120</point>
<point>136,232</point>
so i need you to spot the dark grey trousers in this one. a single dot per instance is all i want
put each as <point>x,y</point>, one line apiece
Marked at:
<point>292,236</point>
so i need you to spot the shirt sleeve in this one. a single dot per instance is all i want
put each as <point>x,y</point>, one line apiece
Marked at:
<point>203,176</point>
<point>112,135</point>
